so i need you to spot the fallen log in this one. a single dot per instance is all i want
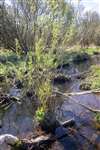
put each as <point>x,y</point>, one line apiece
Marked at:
<point>85,92</point>
<point>85,106</point>
<point>95,91</point>
<point>75,101</point>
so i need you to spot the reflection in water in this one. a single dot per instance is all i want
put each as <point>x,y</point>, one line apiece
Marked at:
<point>18,119</point>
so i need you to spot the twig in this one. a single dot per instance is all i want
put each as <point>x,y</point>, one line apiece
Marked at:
<point>85,92</point>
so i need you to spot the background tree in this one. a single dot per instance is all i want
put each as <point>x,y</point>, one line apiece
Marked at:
<point>7,28</point>
<point>87,30</point>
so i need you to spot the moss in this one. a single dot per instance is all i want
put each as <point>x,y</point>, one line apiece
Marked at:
<point>97,117</point>
<point>18,146</point>
<point>96,121</point>
<point>94,77</point>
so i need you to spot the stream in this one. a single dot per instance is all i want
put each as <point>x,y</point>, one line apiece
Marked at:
<point>87,131</point>
<point>18,119</point>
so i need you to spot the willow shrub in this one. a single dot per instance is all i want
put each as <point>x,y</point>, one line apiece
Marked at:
<point>38,77</point>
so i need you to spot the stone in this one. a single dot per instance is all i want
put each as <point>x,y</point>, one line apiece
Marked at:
<point>6,140</point>
<point>60,132</point>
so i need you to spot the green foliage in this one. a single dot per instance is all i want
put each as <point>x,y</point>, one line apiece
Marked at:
<point>18,47</point>
<point>17,146</point>
<point>93,78</point>
<point>37,77</point>
<point>53,4</point>
<point>4,71</point>
<point>44,90</point>
<point>70,35</point>
<point>43,59</point>
<point>40,113</point>
<point>9,56</point>
<point>97,117</point>
<point>91,51</point>
<point>12,70</point>
<point>56,32</point>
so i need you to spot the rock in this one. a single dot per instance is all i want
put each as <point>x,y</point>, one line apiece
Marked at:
<point>60,132</point>
<point>69,143</point>
<point>65,140</point>
<point>6,140</point>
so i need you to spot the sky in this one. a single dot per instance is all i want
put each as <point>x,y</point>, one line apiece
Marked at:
<point>88,4</point>
<point>93,5</point>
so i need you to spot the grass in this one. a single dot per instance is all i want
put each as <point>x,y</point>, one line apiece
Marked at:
<point>92,51</point>
<point>93,78</point>
<point>11,67</point>
<point>71,54</point>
